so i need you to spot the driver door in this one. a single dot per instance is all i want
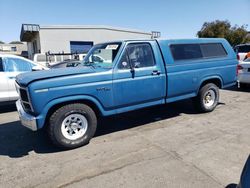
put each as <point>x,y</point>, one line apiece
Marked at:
<point>138,78</point>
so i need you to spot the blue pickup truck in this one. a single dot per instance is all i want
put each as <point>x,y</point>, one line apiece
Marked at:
<point>117,77</point>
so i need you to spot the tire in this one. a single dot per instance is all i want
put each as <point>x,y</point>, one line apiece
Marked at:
<point>72,126</point>
<point>207,98</point>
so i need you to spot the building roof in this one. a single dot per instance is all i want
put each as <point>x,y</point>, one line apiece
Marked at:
<point>28,29</point>
<point>93,27</point>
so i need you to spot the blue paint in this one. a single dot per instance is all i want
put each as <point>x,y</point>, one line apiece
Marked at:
<point>114,90</point>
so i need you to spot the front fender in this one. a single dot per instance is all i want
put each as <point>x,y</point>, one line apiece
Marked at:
<point>42,117</point>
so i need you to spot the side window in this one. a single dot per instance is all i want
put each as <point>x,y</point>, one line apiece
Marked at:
<point>1,65</point>
<point>185,51</point>
<point>213,50</point>
<point>17,65</point>
<point>140,55</point>
<point>197,51</point>
<point>124,62</point>
<point>10,65</point>
<point>137,56</point>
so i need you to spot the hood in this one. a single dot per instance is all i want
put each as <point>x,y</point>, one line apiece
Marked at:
<point>26,78</point>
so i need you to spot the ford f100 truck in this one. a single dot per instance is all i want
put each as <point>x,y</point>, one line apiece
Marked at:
<point>129,75</point>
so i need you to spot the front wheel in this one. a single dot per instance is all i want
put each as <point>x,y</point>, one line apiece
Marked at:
<point>208,98</point>
<point>72,125</point>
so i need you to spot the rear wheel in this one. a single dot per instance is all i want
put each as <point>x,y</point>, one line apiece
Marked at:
<point>72,125</point>
<point>208,98</point>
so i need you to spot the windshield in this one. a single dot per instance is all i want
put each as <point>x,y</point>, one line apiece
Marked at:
<point>102,55</point>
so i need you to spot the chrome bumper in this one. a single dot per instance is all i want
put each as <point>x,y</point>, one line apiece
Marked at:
<point>26,119</point>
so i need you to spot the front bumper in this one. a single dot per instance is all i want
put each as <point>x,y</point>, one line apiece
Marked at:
<point>26,119</point>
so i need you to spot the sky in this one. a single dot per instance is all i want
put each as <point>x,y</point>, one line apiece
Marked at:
<point>173,18</point>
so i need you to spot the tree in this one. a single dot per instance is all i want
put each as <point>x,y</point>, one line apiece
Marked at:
<point>223,29</point>
<point>15,42</point>
<point>1,42</point>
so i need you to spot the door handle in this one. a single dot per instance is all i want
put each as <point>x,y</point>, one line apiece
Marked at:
<point>156,72</point>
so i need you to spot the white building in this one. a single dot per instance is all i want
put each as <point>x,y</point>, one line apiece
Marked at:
<point>16,48</point>
<point>72,38</point>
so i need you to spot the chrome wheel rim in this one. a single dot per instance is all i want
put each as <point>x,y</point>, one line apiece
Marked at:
<point>74,126</point>
<point>209,98</point>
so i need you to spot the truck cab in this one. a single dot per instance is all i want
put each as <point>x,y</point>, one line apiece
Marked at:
<point>121,76</point>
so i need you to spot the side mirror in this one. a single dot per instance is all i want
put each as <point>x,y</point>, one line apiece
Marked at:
<point>37,68</point>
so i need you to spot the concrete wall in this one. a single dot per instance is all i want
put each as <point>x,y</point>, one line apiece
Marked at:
<point>58,39</point>
<point>31,51</point>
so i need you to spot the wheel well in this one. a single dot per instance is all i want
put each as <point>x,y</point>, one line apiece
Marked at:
<point>87,102</point>
<point>215,81</point>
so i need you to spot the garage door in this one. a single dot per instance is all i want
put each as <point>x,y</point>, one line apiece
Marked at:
<point>80,46</point>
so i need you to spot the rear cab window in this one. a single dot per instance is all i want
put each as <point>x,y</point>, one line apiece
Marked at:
<point>197,51</point>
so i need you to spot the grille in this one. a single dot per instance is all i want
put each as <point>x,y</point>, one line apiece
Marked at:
<point>23,95</point>
<point>27,106</point>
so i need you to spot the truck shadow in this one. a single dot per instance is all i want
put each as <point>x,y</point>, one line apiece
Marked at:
<point>142,117</point>
<point>235,88</point>
<point>17,141</point>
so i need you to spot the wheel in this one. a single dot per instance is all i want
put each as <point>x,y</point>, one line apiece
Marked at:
<point>208,98</point>
<point>72,125</point>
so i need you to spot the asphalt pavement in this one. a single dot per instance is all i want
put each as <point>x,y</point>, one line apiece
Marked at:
<point>164,146</point>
